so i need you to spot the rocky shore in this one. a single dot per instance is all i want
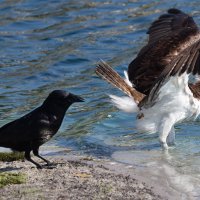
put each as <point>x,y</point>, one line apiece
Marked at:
<point>78,177</point>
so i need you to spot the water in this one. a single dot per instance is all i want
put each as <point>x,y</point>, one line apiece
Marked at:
<point>47,45</point>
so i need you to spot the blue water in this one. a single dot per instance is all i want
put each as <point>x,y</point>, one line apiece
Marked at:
<point>47,45</point>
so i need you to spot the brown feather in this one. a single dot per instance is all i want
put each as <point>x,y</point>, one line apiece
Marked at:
<point>107,73</point>
<point>169,35</point>
<point>173,49</point>
<point>195,88</point>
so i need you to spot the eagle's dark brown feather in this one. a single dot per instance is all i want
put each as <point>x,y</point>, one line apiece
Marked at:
<point>168,36</point>
<point>107,73</point>
<point>173,49</point>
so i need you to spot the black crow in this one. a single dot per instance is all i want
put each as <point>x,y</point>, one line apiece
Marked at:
<point>29,132</point>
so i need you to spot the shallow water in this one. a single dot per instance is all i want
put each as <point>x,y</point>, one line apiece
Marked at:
<point>48,45</point>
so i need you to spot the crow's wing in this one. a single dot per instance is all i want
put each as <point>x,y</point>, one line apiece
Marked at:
<point>23,130</point>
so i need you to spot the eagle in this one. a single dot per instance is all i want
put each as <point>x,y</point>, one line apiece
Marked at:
<point>162,84</point>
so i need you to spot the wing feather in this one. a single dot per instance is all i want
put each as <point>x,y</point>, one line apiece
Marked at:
<point>188,61</point>
<point>167,35</point>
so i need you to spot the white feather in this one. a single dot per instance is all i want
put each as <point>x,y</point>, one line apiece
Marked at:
<point>175,103</point>
<point>125,103</point>
<point>127,79</point>
<point>175,100</point>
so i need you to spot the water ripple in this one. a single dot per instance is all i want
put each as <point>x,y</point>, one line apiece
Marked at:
<point>48,45</point>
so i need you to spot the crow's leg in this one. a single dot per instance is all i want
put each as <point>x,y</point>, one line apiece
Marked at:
<point>36,153</point>
<point>28,157</point>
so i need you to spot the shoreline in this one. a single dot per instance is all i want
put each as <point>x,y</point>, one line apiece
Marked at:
<point>82,177</point>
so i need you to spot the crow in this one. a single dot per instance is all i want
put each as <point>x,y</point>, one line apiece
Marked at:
<point>29,132</point>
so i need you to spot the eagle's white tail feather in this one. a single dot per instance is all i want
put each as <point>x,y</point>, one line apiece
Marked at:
<point>125,103</point>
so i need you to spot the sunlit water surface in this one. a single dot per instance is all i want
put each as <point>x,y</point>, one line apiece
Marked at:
<point>47,45</point>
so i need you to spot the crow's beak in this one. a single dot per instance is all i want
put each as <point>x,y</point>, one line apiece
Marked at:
<point>76,98</point>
